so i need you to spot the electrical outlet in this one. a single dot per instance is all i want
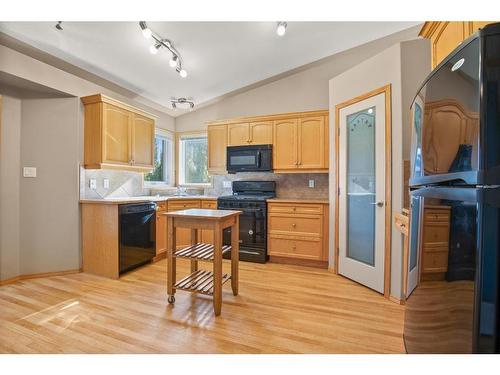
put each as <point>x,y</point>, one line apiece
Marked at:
<point>105,183</point>
<point>227,184</point>
<point>311,183</point>
<point>29,172</point>
<point>93,183</point>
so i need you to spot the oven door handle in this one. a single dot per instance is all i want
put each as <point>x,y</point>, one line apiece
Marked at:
<point>259,159</point>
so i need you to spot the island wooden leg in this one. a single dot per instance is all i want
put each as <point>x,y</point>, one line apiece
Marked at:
<point>171,261</point>
<point>217,297</point>
<point>194,241</point>
<point>235,255</point>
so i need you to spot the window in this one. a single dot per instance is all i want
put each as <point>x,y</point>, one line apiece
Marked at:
<point>163,172</point>
<point>193,160</point>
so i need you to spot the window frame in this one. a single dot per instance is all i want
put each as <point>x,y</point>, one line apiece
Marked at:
<point>169,135</point>
<point>179,170</point>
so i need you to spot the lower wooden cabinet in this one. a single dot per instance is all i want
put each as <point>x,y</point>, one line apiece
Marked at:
<point>298,231</point>
<point>436,241</point>
<point>207,236</point>
<point>161,228</point>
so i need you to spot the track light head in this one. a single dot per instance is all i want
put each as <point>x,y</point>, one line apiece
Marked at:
<point>281,28</point>
<point>183,73</point>
<point>173,61</point>
<point>154,48</point>
<point>146,31</point>
<point>58,26</point>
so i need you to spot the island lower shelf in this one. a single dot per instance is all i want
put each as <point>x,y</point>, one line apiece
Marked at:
<point>201,281</point>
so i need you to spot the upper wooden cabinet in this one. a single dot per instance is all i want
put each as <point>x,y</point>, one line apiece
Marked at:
<point>446,36</point>
<point>117,136</point>
<point>300,140</point>
<point>217,143</point>
<point>254,133</point>
<point>301,144</point>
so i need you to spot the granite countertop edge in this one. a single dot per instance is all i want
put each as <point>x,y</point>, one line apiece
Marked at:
<point>126,200</point>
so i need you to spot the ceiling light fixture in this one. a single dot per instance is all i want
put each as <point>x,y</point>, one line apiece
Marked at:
<point>58,26</point>
<point>183,102</point>
<point>159,42</point>
<point>281,28</point>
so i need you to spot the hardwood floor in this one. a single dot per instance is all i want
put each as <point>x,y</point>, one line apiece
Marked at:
<point>280,309</point>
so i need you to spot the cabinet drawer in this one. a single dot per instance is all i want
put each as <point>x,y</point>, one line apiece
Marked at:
<point>436,232</point>
<point>209,205</point>
<point>162,206</point>
<point>295,248</point>
<point>183,205</point>
<point>299,208</point>
<point>437,216</point>
<point>435,261</point>
<point>295,225</point>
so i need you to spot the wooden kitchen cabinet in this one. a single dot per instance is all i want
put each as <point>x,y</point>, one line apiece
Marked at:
<point>161,228</point>
<point>285,144</point>
<point>255,133</point>
<point>298,233</point>
<point>299,140</point>
<point>183,235</point>
<point>301,144</point>
<point>238,134</point>
<point>445,36</point>
<point>116,135</point>
<point>217,144</point>
<point>435,242</point>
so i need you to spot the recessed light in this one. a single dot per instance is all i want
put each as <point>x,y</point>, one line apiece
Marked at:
<point>281,29</point>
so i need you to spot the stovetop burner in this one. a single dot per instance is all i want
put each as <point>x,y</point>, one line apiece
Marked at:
<point>247,197</point>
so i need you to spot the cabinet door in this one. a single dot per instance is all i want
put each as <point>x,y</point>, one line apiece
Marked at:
<point>311,143</point>
<point>285,144</point>
<point>143,133</point>
<point>116,135</point>
<point>448,36</point>
<point>261,133</point>
<point>217,142</point>
<point>238,134</point>
<point>161,233</point>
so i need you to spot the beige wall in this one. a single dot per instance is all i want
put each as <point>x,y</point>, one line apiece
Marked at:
<point>302,91</point>
<point>49,203</point>
<point>10,164</point>
<point>377,71</point>
<point>23,66</point>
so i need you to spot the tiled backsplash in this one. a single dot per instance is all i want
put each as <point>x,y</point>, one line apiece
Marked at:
<point>129,184</point>
<point>293,185</point>
<point>121,183</point>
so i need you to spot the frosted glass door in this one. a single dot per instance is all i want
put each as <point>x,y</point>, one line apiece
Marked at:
<point>362,192</point>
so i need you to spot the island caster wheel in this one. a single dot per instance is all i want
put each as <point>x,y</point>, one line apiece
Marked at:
<point>171,299</point>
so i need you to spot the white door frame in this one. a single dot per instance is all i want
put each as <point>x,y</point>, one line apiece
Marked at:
<point>388,179</point>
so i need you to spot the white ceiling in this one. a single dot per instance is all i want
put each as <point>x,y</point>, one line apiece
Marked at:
<point>220,57</point>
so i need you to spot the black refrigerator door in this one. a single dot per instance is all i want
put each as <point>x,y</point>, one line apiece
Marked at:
<point>454,307</point>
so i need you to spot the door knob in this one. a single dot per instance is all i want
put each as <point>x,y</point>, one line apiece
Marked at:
<point>378,204</point>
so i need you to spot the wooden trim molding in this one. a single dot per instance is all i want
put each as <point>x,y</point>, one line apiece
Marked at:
<point>388,180</point>
<point>280,116</point>
<point>100,98</point>
<point>38,275</point>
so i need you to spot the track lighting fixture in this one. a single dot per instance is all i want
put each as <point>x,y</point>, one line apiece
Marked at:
<point>58,26</point>
<point>186,103</point>
<point>281,28</point>
<point>159,42</point>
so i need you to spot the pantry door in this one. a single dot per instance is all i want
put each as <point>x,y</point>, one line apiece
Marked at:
<point>364,190</point>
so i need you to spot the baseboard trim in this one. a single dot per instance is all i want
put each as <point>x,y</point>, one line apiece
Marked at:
<point>299,262</point>
<point>160,256</point>
<point>396,300</point>
<point>38,275</point>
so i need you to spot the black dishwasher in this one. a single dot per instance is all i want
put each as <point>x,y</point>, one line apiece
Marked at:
<point>137,235</point>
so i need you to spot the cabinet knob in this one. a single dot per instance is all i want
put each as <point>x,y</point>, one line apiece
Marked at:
<point>294,225</point>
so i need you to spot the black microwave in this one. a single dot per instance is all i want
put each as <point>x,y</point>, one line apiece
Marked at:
<point>256,158</point>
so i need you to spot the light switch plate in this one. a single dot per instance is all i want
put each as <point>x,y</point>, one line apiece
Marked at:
<point>311,183</point>
<point>227,184</point>
<point>29,172</point>
<point>105,183</point>
<point>93,183</point>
